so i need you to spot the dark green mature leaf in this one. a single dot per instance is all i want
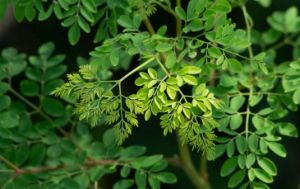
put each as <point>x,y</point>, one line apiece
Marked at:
<point>3,87</point>
<point>9,119</point>
<point>228,166</point>
<point>140,179</point>
<point>181,13</point>
<point>288,129</point>
<point>241,144</point>
<point>123,184</point>
<point>5,102</point>
<point>74,34</point>
<point>132,152</point>
<point>53,107</point>
<point>237,102</point>
<point>29,88</point>
<point>236,121</point>
<point>154,182</point>
<point>267,165</point>
<point>37,154</point>
<point>236,179</point>
<point>263,176</point>
<point>167,177</point>
<point>277,148</point>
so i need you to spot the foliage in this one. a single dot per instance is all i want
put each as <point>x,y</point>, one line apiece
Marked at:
<point>40,153</point>
<point>219,87</point>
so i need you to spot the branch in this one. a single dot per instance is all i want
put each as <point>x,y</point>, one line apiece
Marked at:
<point>178,21</point>
<point>149,26</point>
<point>9,164</point>
<point>188,166</point>
<point>88,164</point>
<point>37,109</point>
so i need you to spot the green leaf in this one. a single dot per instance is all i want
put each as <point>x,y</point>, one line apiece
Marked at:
<point>167,177</point>
<point>9,119</point>
<point>262,175</point>
<point>181,13</point>
<point>236,121</point>
<point>195,7</point>
<point>69,183</point>
<point>253,142</point>
<point>132,152</point>
<point>21,155</point>
<point>230,148</point>
<point>46,50</point>
<point>191,70</point>
<point>250,160</point>
<point>219,151</point>
<point>237,102</point>
<point>4,102</point>
<point>190,79</point>
<point>152,73</point>
<point>296,96</point>
<point>195,25</point>
<point>234,65</point>
<point>264,3</point>
<point>260,185</point>
<point>3,88</point>
<point>171,60</point>
<point>125,171</point>
<point>74,34</point>
<point>84,25</point>
<point>228,166</point>
<point>51,85</point>
<point>34,74</point>
<point>241,144</point>
<point>29,88</point>
<point>109,139</point>
<point>154,182</point>
<point>140,179</point>
<point>83,180</point>
<point>150,160</point>
<point>114,57</point>
<point>277,148</point>
<point>214,52</point>
<point>171,93</point>
<point>242,161</point>
<point>90,5</point>
<point>37,154</point>
<point>288,129</point>
<point>163,47</point>
<point>147,115</point>
<point>53,107</point>
<point>236,179</point>
<point>54,72</point>
<point>125,21</point>
<point>291,19</point>
<point>267,165</point>
<point>251,174</point>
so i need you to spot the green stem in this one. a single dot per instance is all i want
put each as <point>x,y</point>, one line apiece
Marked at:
<point>37,109</point>
<point>178,21</point>
<point>10,164</point>
<point>248,22</point>
<point>149,26</point>
<point>184,153</point>
<point>30,104</point>
<point>167,9</point>
<point>136,69</point>
<point>189,168</point>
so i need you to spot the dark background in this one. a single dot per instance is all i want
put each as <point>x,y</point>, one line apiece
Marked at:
<point>26,37</point>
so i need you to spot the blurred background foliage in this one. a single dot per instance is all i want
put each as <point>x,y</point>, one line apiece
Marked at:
<point>27,37</point>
